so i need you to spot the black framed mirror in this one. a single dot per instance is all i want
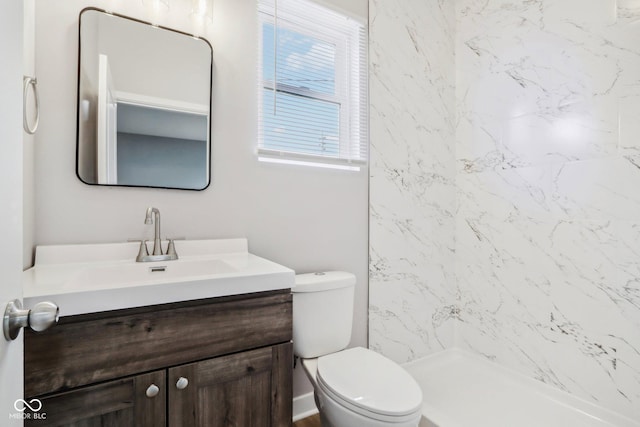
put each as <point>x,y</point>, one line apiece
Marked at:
<point>144,104</point>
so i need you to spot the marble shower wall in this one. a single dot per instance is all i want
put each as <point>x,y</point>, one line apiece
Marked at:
<point>548,179</point>
<point>412,187</point>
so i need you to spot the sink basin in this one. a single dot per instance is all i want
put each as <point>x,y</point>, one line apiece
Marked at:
<point>84,279</point>
<point>138,274</point>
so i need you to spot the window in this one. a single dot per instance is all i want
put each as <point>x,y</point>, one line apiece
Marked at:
<point>313,85</point>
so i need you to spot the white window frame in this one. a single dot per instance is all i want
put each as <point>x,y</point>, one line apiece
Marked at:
<point>347,44</point>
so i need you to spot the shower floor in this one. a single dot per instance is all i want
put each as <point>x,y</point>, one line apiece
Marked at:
<point>463,390</point>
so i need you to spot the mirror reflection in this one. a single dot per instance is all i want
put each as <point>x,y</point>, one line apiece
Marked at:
<point>144,97</point>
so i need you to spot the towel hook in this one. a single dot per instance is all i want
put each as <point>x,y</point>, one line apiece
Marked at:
<point>30,81</point>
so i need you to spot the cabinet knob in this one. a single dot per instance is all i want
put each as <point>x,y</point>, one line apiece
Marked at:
<point>153,390</point>
<point>182,383</point>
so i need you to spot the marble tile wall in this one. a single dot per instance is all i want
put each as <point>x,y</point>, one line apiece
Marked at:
<point>412,186</point>
<point>529,113</point>
<point>548,183</point>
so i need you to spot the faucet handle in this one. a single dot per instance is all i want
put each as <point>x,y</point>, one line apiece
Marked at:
<point>143,251</point>
<point>171,249</point>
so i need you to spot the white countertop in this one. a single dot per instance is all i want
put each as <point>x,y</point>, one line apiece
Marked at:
<point>84,279</point>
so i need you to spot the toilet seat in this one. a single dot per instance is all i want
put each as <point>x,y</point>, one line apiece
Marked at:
<point>369,384</point>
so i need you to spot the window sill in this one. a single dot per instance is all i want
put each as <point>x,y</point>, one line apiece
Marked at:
<point>310,161</point>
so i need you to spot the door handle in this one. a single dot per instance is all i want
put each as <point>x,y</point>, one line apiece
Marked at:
<point>41,317</point>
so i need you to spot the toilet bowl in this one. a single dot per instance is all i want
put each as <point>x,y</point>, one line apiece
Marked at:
<point>356,387</point>
<point>360,388</point>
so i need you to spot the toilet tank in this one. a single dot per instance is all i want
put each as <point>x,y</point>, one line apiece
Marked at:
<point>322,313</point>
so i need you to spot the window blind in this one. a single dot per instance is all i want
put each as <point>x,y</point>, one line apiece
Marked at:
<point>313,84</point>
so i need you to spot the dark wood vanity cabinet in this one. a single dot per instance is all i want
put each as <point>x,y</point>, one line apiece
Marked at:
<point>115,403</point>
<point>219,362</point>
<point>235,390</point>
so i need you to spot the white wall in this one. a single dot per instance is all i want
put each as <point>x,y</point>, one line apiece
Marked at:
<point>306,218</point>
<point>412,292</point>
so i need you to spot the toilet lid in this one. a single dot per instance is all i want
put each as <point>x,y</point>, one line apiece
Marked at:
<point>370,381</point>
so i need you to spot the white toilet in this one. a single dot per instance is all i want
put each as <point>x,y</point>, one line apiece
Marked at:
<point>355,387</point>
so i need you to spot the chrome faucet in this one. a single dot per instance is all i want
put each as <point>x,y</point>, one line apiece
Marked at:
<point>148,219</point>
<point>153,216</point>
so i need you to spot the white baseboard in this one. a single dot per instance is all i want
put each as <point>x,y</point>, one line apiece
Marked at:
<point>304,406</point>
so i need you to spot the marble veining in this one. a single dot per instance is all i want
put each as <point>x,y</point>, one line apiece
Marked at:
<point>529,113</point>
<point>412,190</point>
<point>548,204</point>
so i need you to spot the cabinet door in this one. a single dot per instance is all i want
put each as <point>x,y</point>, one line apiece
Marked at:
<point>119,403</point>
<point>248,389</point>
